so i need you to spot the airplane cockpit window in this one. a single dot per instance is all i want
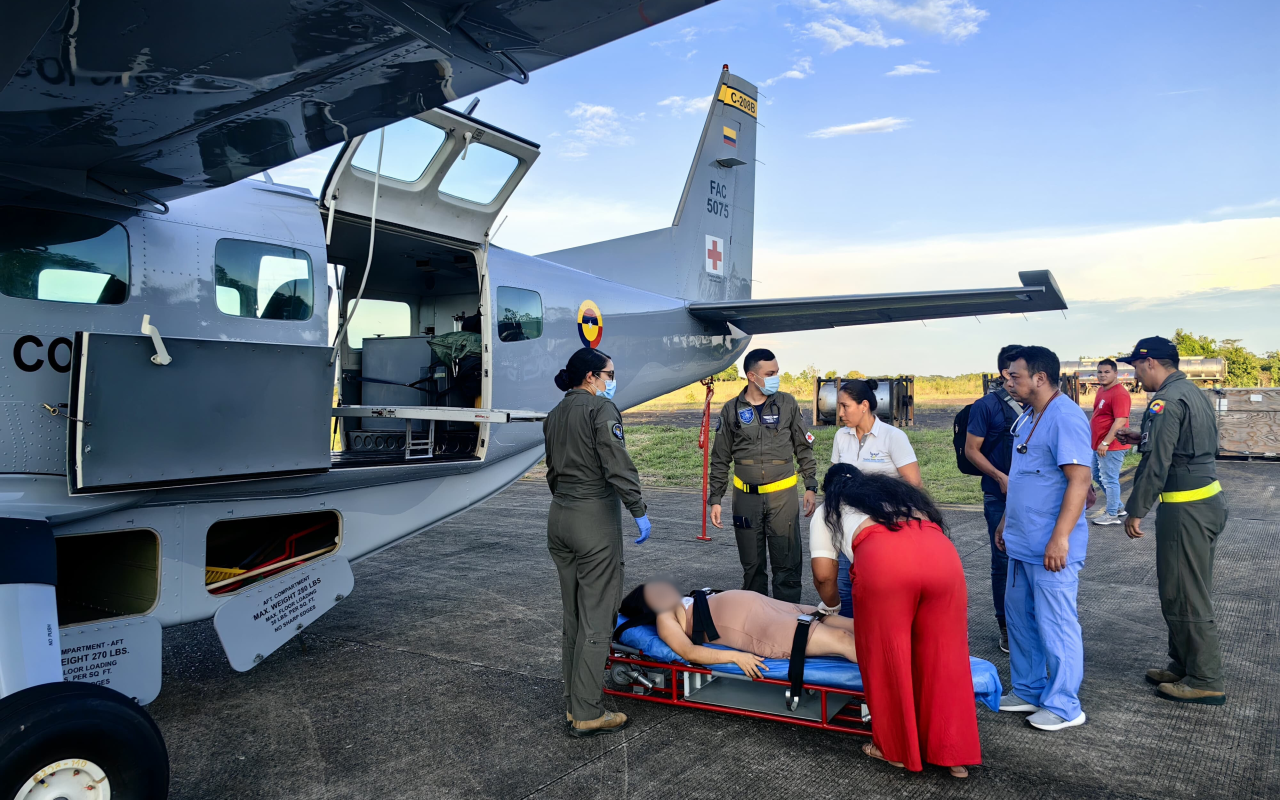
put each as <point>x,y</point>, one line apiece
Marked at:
<point>479,177</point>
<point>68,258</point>
<point>263,281</point>
<point>519,314</point>
<point>410,146</point>
<point>377,318</point>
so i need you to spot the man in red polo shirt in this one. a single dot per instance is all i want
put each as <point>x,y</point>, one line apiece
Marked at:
<point>1110,414</point>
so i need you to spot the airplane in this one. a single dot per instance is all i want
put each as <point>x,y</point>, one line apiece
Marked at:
<point>182,435</point>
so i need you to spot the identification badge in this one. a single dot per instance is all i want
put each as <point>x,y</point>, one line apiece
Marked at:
<point>747,415</point>
<point>255,622</point>
<point>769,419</point>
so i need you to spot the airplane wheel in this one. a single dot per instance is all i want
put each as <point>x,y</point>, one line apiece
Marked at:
<point>75,740</point>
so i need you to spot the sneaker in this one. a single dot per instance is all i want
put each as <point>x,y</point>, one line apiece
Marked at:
<point>1011,702</point>
<point>1004,640</point>
<point>1122,514</point>
<point>1106,519</point>
<point>1046,720</point>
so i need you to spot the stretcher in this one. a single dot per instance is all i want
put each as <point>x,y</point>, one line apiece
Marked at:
<point>642,667</point>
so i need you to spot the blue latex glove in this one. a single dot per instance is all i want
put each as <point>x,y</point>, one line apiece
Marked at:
<point>645,526</point>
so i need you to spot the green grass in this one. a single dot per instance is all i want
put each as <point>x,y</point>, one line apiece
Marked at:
<point>669,457</point>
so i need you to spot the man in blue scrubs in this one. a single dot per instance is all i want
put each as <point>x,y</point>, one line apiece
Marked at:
<point>1045,535</point>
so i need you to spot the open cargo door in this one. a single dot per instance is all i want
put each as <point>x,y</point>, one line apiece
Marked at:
<point>198,411</point>
<point>443,172</point>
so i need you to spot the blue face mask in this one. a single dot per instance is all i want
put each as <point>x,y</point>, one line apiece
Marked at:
<point>609,388</point>
<point>771,384</point>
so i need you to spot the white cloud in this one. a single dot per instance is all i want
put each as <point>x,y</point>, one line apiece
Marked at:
<point>798,71</point>
<point>954,19</point>
<point>679,105</point>
<point>882,125</point>
<point>1228,210</point>
<point>1180,91</point>
<point>918,68</point>
<point>837,34</point>
<point>597,125</point>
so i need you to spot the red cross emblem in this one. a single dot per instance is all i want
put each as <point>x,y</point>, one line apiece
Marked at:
<point>715,254</point>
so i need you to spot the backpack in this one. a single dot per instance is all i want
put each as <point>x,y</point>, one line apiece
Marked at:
<point>960,432</point>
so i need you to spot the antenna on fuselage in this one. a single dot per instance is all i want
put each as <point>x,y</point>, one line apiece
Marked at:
<point>471,107</point>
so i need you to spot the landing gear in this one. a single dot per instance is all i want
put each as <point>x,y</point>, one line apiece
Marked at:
<point>76,740</point>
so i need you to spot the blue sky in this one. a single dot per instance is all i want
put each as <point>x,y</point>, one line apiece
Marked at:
<point>1128,146</point>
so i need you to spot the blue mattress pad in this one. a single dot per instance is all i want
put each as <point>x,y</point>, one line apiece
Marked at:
<point>833,672</point>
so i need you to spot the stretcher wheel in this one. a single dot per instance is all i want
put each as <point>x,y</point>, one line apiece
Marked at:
<point>792,702</point>
<point>618,677</point>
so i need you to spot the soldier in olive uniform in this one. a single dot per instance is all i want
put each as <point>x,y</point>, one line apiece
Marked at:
<point>762,431</point>
<point>1178,443</point>
<point>591,476</point>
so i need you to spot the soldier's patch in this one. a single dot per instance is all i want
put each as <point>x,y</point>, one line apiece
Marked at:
<point>1156,407</point>
<point>617,431</point>
<point>747,415</point>
<point>769,419</point>
<point>808,437</point>
<point>716,425</point>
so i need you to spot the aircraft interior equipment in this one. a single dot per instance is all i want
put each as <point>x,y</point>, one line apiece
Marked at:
<point>895,400</point>
<point>829,695</point>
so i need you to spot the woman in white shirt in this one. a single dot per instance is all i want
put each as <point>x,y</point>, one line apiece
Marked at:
<point>872,446</point>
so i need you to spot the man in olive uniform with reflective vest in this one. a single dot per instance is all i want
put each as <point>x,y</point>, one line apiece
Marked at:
<point>763,433</point>
<point>1178,443</point>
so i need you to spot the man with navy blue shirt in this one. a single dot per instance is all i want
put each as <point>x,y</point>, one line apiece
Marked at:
<point>1045,536</point>
<point>989,447</point>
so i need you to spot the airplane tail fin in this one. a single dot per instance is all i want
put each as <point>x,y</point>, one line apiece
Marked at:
<point>706,253</point>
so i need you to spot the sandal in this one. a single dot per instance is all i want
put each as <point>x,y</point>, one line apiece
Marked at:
<point>874,752</point>
<point>959,772</point>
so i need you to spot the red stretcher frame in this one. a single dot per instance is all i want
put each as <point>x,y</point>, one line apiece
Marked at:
<point>844,721</point>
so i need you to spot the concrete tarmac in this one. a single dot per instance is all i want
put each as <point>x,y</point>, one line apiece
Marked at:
<point>439,677</point>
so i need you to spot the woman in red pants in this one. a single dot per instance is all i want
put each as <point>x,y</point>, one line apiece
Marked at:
<point>912,628</point>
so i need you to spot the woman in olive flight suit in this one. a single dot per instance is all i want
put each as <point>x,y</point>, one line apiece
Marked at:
<point>590,475</point>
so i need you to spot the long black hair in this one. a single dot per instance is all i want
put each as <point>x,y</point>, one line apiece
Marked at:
<point>860,391</point>
<point>886,499</point>
<point>581,364</point>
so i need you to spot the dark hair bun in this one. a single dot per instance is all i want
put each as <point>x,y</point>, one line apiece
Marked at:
<point>873,384</point>
<point>562,381</point>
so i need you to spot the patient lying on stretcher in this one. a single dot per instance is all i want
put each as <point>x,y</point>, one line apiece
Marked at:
<point>755,626</point>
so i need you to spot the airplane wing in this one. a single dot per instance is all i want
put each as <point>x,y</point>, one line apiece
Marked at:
<point>1038,292</point>
<point>137,102</point>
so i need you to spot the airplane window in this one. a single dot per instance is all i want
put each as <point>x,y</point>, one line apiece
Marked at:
<point>410,146</point>
<point>262,281</point>
<point>519,314</point>
<point>377,318</point>
<point>481,176</point>
<point>69,258</point>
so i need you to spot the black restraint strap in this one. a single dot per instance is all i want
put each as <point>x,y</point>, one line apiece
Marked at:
<point>795,669</point>
<point>704,627</point>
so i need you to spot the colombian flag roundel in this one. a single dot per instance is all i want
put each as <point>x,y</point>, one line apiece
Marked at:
<point>590,324</point>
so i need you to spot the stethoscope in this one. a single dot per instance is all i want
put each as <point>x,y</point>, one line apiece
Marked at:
<point>1022,448</point>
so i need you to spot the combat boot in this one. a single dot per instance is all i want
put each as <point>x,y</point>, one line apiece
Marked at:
<point>611,722</point>
<point>1182,693</point>
<point>1159,676</point>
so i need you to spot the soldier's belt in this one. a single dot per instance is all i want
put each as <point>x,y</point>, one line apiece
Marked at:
<point>1191,495</point>
<point>765,488</point>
